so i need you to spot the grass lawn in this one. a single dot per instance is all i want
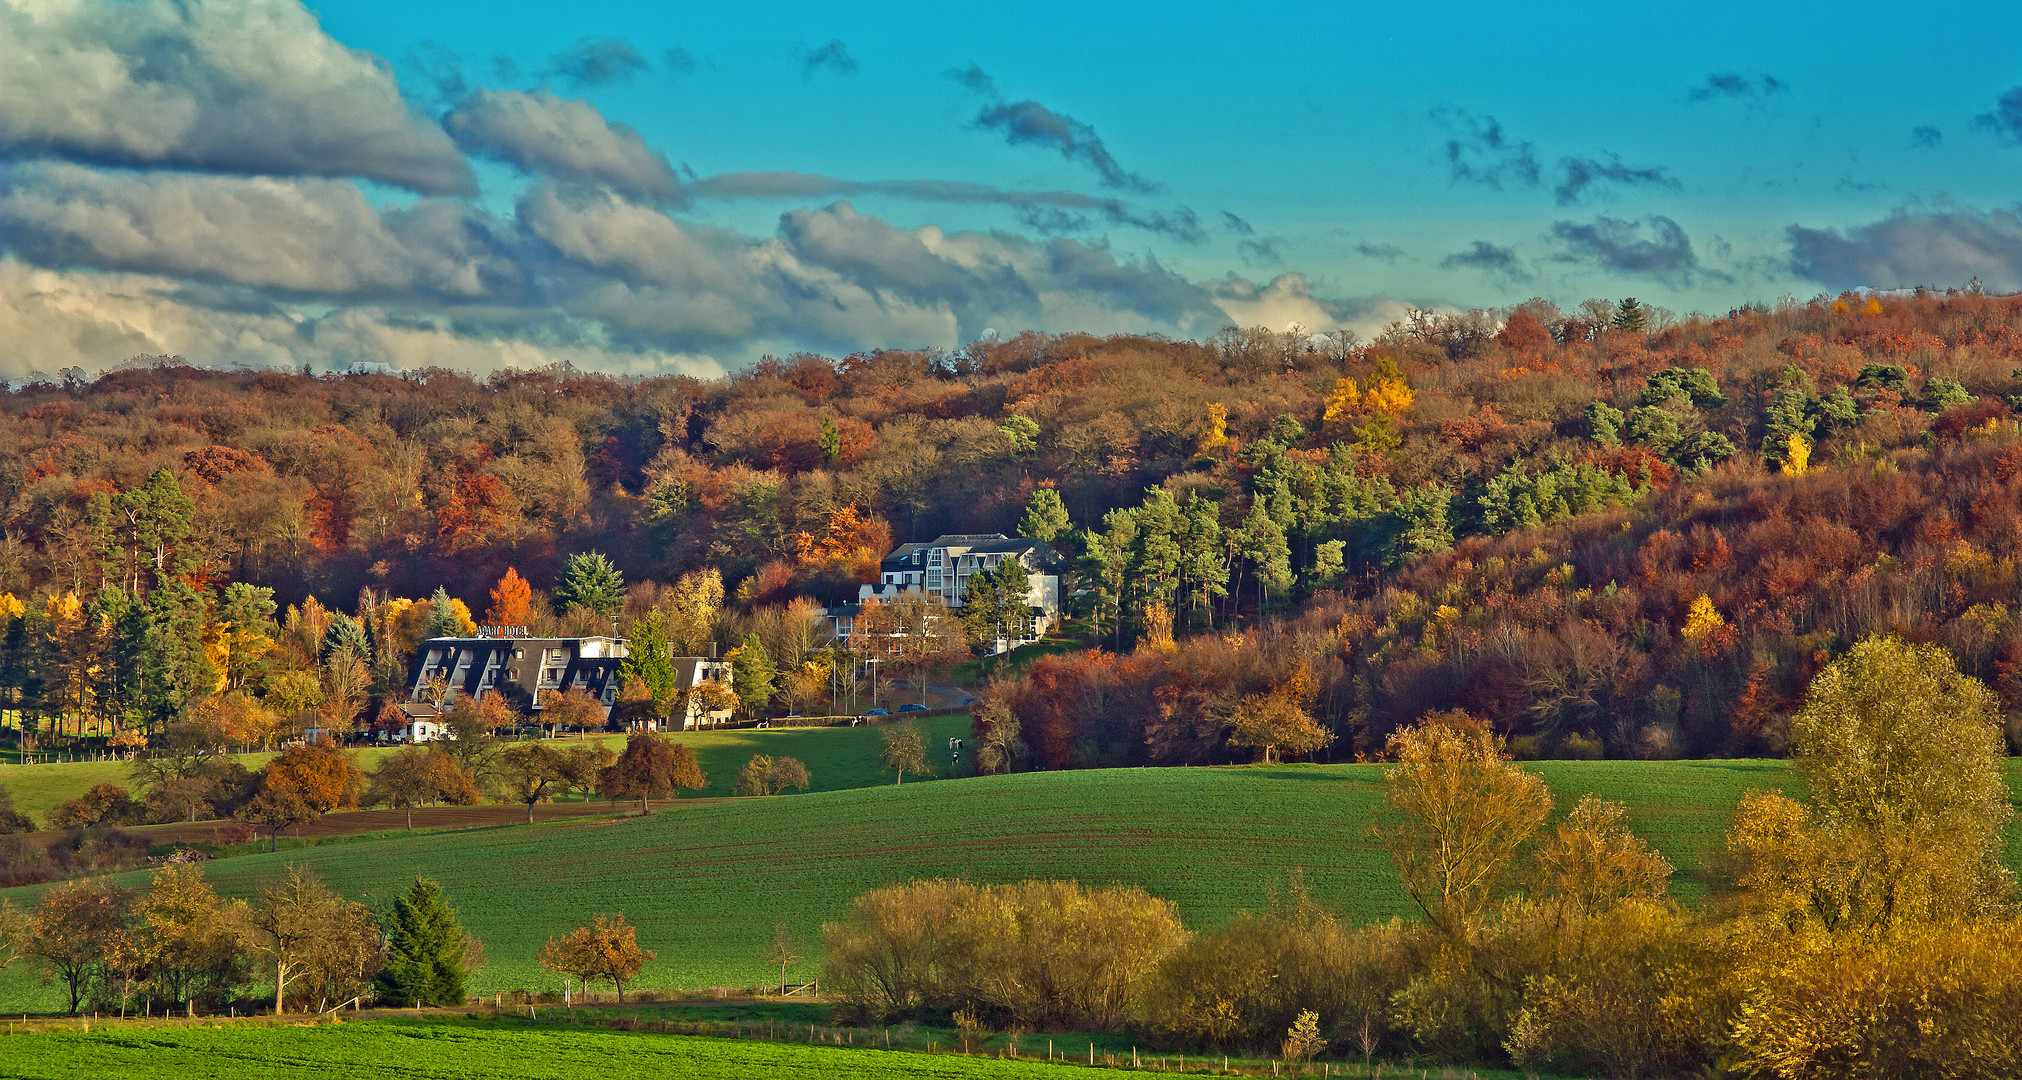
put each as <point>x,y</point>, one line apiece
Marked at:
<point>707,882</point>
<point>404,1049</point>
<point>838,757</point>
<point>487,1047</point>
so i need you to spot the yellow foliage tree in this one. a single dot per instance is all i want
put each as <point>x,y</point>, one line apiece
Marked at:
<point>1389,393</point>
<point>1702,620</point>
<point>1158,628</point>
<point>1344,402</point>
<point>1796,455</point>
<point>1461,811</point>
<point>1217,434</point>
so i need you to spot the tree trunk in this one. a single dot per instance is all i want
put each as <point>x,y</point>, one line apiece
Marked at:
<point>410,819</point>
<point>530,813</point>
<point>280,986</point>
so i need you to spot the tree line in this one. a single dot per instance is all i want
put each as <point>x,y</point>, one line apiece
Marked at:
<point>1871,931</point>
<point>1196,487</point>
<point>176,947</point>
<point>187,782</point>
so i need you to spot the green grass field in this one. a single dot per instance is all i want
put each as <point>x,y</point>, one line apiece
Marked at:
<point>838,757</point>
<point>403,1049</point>
<point>486,1047</point>
<point>707,882</point>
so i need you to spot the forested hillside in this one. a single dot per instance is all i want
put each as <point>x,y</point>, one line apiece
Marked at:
<point>1603,532</point>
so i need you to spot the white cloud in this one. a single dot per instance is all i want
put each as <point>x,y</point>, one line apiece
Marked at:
<point>52,319</point>
<point>296,235</point>
<point>1287,300</point>
<point>550,135</point>
<point>239,86</point>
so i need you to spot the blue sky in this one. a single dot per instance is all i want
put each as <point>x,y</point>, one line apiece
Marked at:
<point>683,187</point>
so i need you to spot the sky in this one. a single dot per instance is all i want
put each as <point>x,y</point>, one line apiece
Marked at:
<point>684,188</point>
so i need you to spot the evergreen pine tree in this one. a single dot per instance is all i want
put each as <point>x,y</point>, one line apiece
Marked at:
<point>442,617</point>
<point>345,633</point>
<point>424,950</point>
<point>647,661</point>
<point>590,581</point>
<point>1045,516</point>
<point>174,666</point>
<point>1263,544</point>
<point>751,673</point>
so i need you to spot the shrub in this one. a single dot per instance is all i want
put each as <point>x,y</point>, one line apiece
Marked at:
<point>1937,1001</point>
<point>1047,955</point>
<point>1246,983</point>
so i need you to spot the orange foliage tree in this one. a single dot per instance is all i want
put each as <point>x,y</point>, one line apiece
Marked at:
<point>512,601</point>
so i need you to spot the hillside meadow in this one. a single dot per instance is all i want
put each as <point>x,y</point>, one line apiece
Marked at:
<point>393,1047</point>
<point>481,1047</point>
<point>707,883</point>
<point>836,757</point>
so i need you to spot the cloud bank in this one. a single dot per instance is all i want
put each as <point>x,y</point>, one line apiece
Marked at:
<point>1944,247</point>
<point>183,177</point>
<point>211,85</point>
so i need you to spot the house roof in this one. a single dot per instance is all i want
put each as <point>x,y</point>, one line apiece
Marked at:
<point>914,554</point>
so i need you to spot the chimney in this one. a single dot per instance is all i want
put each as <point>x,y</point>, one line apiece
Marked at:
<point>712,650</point>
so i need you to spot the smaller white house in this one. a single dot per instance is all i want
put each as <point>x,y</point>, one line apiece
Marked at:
<point>691,672</point>
<point>421,725</point>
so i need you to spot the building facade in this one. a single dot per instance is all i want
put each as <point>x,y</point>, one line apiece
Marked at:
<point>942,568</point>
<point>527,670</point>
<point>690,672</point>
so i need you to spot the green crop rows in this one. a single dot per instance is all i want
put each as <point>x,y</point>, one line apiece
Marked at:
<point>398,1049</point>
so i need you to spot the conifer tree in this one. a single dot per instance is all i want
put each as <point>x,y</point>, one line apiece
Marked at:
<point>1045,516</point>
<point>442,620</point>
<point>425,950</point>
<point>1630,316</point>
<point>590,581</point>
<point>647,661</point>
<point>751,673</point>
<point>173,663</point>
<point>346,635</point>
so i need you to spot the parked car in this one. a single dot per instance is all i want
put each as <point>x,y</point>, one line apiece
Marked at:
<point>914,707</point>
<point>879,712</point>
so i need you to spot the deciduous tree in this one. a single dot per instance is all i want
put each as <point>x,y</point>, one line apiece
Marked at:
<point>767,775</point>
<point>75,929</point>
<point>905,751</point>
<point>183,928</point>
<point>605,951</point>
<point>420,776</point>
<point>651,767</point>
<point>1458,812</point>
<point>310,933</point>
<point>533,773</point>
<point>511,601</point>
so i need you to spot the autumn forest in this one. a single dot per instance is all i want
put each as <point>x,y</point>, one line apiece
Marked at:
<point>1606,531</point>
